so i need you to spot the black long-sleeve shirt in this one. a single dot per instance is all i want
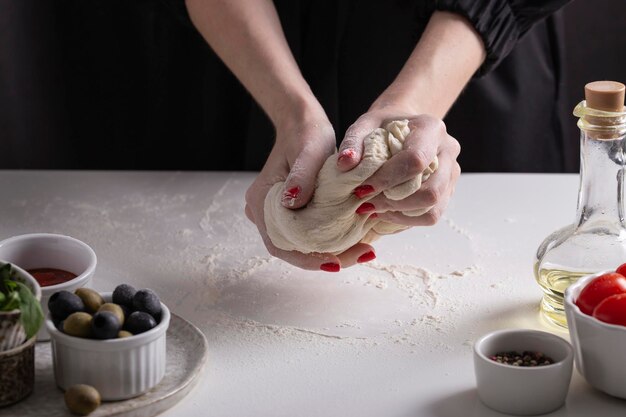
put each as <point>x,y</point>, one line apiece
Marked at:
<point>141,89</point>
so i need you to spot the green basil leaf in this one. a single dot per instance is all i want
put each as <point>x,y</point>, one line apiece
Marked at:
<point>12,302</point>
<point>32,315</point>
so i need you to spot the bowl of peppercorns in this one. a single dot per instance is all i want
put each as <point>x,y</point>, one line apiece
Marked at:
<point>114,342</point>
<point>523,372</point>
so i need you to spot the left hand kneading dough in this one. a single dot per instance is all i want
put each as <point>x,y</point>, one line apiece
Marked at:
<point>329,222</point>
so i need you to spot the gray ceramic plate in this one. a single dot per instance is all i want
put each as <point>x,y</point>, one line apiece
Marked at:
<point>187,352</point>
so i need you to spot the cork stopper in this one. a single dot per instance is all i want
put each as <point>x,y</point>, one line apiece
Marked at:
<point>605,95</point>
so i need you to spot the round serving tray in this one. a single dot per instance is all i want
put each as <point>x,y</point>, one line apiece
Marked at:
<point>187,352</point>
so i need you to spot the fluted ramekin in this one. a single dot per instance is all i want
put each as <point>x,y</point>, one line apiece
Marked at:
<point>118,368</point>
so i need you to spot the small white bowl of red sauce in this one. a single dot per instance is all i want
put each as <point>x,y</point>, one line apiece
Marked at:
<point>57,262</point>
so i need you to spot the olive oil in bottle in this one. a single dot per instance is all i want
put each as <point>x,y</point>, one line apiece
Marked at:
<point>596,241</point>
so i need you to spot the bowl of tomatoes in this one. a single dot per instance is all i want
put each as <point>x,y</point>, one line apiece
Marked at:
<point>595,307</point>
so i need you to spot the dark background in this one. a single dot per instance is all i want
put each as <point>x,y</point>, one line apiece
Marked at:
<point>40,71</point>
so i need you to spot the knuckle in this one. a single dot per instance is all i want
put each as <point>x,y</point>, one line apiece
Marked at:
<point>249,196</point>
<point>455,146</point>
<point>440,126</point>
<point>417,161</point>
<point>456,170</point>
<point>432,217</point>
<point>431,196</point>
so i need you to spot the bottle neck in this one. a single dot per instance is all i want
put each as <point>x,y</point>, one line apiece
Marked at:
<point>601,193</point>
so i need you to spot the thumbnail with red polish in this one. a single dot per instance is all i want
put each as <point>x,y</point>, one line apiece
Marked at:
<point>290,195</point>
<point>292,192</point>
<point>347,154</point>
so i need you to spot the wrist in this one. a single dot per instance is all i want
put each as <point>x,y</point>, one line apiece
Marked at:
<point>396,102</point>
<point>297,110</point>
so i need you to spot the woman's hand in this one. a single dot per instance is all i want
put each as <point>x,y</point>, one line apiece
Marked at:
<point>300,150</point>
<point>428,138</point>
<point>446,56</point>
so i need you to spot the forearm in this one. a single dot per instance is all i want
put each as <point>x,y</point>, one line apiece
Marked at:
<point>443,61</point>
<point>248,37</point>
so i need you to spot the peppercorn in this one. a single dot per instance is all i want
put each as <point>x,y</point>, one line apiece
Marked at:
<point>526,358</point>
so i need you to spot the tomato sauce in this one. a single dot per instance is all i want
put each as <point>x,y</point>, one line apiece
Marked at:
<point>51,276</point>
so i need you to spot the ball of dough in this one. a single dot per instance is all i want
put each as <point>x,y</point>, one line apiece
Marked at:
<point>329,222</point>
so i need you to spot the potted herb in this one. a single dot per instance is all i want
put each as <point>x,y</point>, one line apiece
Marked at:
<point>20,311</point>
<point>20,319</point>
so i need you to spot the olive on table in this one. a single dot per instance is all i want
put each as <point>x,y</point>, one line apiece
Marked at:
<point>82,399</point>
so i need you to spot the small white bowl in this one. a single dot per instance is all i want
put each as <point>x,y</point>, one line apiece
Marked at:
<point>118,368</point>
<point>12,333</point>
<point>46,250</point>
<point>598,346</point>
<point>522,390</point>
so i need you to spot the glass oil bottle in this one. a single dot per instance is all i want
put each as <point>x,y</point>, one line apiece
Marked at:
<point>596,241</point>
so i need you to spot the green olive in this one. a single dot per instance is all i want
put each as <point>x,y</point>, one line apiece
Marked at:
<point>115,309</point>
<point>124,333</point>
<point>82,399</point>
<point>92,299</point>
<point>78,324</point>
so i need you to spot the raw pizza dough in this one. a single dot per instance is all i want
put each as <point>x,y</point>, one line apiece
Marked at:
<point>329,222</point>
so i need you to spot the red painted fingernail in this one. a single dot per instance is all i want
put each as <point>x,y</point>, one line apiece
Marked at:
<point>330,267</point>
<point>294,191</point>
<point>366,257</point>
<point>289,196</point>
<point>363,190</point>
<point>347,154</point>
<point>373,216</point>
<point>365,208</point>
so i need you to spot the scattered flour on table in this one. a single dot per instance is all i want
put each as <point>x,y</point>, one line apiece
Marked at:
<point>214,207</point>
<point>458,229</point>
<point>222,249</point>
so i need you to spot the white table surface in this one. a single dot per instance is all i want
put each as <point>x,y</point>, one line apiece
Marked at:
<point>388,339</point>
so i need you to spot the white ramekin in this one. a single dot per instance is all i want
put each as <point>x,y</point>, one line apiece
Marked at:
<point>521,390</point>
<point>46,250</point>
<point>598,346</point>
<point>118,368</point>
<point>12,332</point>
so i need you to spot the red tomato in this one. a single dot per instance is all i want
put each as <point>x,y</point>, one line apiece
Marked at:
<point>600,288</point>
<point>612,310</point>
<point>621,269</point>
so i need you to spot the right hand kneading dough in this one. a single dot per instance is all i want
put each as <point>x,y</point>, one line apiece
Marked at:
<point>329,222</point>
